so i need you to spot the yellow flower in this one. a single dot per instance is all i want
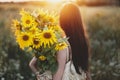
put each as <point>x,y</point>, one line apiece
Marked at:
<point>58,29</point>
<point>24,40</point>
<point>29,49</point>
<point>47,38</point>
<point>61,46</point>
<point>16,25</point>
<point>16,28</point>
<point>42,58</point>
<point>41,14</point>
<point>34,30</point>
<point>36,43</point>
<point>27,21</point>
<point>35,24</point>
<point>51,18</point>
<point>23,12</point>
<point>17,32</point>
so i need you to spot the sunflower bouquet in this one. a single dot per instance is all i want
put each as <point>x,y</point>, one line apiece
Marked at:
<point>40,32</point>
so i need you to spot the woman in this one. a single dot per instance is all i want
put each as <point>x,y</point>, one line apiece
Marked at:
<point>71,23</point>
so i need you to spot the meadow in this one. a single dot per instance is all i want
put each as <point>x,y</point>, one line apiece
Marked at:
<point>102,25</point>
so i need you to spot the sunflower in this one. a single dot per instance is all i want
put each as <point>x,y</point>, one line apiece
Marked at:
<point>61,46</point>
<point>17,32</point>
<point>41,14</point>
<point>16,25</point>
<point>35,24</point>
<point>58,29</point>
<point>24,40</point>
<point>36,43</point>
<point>52,19</point>
<point>23,12</point>
<point>42,58</point>
<point>27,21</point>
<point>34,30</point>
<point>47,38</point>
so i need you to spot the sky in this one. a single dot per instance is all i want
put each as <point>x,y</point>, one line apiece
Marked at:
<point>33,0</point>
<point>18,0</point>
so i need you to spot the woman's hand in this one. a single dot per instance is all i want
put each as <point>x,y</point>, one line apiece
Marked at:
<point>38,77</point>
<point>88,76</point>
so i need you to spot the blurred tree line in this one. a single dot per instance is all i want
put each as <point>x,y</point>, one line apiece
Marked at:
<point>104,35</point>
<point>98,2</point>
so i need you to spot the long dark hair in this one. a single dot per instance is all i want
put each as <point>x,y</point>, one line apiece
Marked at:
<point>71,23</point>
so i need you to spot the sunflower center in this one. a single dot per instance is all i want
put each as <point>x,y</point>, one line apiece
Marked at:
<point>36,42</point>
<point>25,37</point>
<point>19,27</point>
<point>27,21</point>
<point>47,35</point>
<point>33,31</point>
<point>51,19</point>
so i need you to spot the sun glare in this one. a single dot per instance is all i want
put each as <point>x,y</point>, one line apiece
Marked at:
<point>54,1</point>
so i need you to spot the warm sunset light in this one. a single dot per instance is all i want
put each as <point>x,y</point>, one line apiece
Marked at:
<point>54,1</point>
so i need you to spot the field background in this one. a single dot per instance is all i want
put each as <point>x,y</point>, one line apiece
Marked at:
<point>103,28</point>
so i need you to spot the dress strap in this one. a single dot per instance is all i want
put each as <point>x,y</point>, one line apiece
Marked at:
<point>69,54</point>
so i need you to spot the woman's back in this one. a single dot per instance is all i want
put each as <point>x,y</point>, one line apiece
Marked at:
<point>69,71</point>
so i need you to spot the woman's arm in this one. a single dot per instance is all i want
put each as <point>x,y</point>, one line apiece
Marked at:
<point>61,58</point>
<point>32,65</point>
<point>88,76</point>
